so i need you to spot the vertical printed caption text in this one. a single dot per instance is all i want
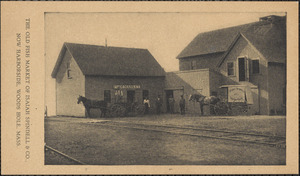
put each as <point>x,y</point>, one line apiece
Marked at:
<point>23,87</point>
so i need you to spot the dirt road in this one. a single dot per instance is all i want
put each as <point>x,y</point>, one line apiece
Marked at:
<point>93,142</point>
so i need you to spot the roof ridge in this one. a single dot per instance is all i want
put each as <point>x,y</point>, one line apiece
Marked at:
<point>246,24</point>
<point>105,46</point>
<point>192,49</point>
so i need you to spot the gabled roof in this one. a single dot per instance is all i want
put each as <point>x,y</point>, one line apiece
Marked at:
<point>268,35</point>
<point>111,61</point>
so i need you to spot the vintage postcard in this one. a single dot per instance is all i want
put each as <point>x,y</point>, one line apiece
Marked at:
<point>149,88</point>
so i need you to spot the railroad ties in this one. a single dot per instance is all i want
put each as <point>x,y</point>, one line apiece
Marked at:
<point>274,141</point>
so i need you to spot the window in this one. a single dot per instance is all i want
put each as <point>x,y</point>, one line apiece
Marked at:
<point>230,68</point>
<point>194,65</point>
<point>69,71</point>
<point>255,66</point>
<point>107,97</point>
<point>284,95</point>
<point>145,94</point>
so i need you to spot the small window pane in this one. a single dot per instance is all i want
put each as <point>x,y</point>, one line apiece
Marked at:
<point>255,66</point>
<point>69,74</point>
<point>230,68</point>
<point>194,65</point>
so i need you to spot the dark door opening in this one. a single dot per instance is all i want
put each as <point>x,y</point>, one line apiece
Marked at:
<point>242,69</point>
<point>169,93</point>
<point>130,96</point>
<point>145,94</point>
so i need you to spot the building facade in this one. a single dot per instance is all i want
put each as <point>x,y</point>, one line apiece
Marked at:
<point>245,63</point>
<point>249,57</point>
<point>100,73</point>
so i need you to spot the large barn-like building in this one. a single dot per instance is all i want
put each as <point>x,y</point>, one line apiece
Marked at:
<point>230,61</point>
<point>98,72</point>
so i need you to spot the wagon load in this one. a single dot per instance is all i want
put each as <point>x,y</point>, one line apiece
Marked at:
<point>122,108</point>
<point>238,99</point>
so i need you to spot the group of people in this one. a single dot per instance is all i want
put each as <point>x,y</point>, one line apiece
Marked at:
<point>159,102</point>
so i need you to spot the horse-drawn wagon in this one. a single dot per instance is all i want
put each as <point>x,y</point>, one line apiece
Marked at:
<point>121,109</point>
<point>235,100</point>
<point>118,108</point>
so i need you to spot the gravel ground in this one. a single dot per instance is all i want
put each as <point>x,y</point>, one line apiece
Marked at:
<point>100,145</point>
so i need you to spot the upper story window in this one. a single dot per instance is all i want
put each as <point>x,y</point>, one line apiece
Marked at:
<point>69,71</point>
<point>255,66</point>
<point>230,68</point>
<point>193,65</point>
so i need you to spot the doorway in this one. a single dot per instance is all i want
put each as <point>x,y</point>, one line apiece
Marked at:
<point>242,69</point>
<point>130,96</point>
<point>169,93</point>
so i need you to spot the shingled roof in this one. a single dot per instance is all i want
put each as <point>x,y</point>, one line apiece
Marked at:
<point>268,35</point>
<point>111,61</point>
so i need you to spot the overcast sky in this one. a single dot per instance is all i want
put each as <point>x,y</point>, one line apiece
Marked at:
<point>165,35</point>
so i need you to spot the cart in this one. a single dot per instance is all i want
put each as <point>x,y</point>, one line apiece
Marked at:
<point>235,100</point>
<point>121,108</point>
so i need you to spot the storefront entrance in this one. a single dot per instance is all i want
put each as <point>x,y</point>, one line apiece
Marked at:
<point>169,93</point>
<point>130,96</point>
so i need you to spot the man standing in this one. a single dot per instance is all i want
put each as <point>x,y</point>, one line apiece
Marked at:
<point>147,105</point>
<point>182,105</point>
<point>171,104</point>
<point>158,104</point>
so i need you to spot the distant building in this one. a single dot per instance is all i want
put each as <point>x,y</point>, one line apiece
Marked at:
<point>251,55</point>
<point>101,72</point>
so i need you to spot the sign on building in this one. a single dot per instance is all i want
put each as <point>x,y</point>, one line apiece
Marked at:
<point>236,94</point>
<point>240,94</point>
<point>127,86</point>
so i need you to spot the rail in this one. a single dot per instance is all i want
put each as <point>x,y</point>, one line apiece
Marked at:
<point>65,155</point>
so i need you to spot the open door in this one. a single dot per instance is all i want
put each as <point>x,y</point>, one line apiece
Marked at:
<point>243,69</point>
<point>130,96</point>
<point>169,93</point>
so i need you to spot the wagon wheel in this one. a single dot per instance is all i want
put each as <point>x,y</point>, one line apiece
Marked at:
<point>117,110</point>
<point>139,109</point>
<point>221,108</point>
<point>239,109</point>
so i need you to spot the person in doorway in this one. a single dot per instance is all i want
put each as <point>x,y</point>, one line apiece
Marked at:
<point>182,105</point>
<point>158,104</point>
<point>171,104</point>
<point>147,105</point>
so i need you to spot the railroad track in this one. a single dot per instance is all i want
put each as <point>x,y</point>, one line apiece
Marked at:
<point>64,155</point>
<point>274,141</point>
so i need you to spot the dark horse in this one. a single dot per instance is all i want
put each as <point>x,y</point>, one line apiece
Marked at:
<point>89,104</point>
<point>204,100</point>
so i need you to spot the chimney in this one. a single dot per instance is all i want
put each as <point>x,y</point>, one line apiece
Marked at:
<point>105,42</point>
<point>271,18</point>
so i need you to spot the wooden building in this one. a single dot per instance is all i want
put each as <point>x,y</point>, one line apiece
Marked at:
<point>251,56</point>
<point>101,72</point>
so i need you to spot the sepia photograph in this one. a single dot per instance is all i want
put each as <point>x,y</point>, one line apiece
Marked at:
<point>114,88</point>
<point>165,88</point>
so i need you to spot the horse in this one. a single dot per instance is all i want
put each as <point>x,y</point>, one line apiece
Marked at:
<point>89,104</point>
<point>204,100</point>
